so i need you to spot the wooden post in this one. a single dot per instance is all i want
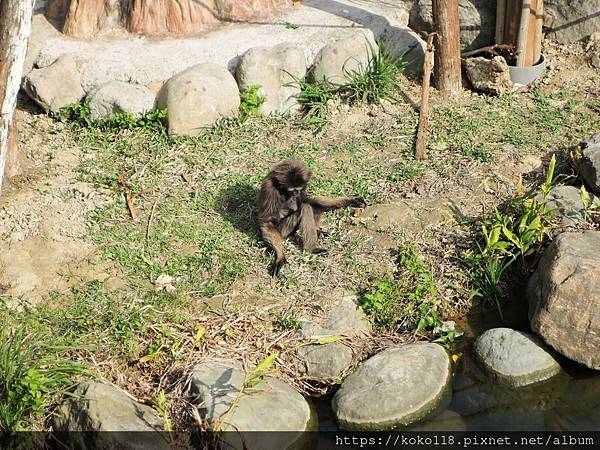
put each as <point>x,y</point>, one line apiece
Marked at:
<point>15,28</point>
<point>447,55</point>
<point>523,31</point>
<point>420,151</point>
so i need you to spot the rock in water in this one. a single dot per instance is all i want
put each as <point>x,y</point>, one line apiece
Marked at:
<point>587,160</point>
<point>55,86</point>
<point>117,97</point>
<point>98,408</point>
<point>277,71</point>
<point>396,387</point>
<point>197,97</point>
<point>564,297</point>
<point>325,362</point>
<point>489,75</point>
<point>343,57</point>
<point>514,357</point>
<point>270,405</point>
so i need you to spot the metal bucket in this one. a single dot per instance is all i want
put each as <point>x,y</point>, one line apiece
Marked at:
<point>527,75</point>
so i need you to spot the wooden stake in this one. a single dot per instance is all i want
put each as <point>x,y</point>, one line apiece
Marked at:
<point>15,28</point>
<point>420,151</point>
<point>447,68</point>
<point>523,31</point>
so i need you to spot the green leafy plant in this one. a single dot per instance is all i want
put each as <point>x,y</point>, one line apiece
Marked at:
<point>80,114</point>
<point>163,407</point>
<point>251,101</point>
<point>284,323</point>
<point>407,300</point>
<point>313,98</point>
<point>508,237</point>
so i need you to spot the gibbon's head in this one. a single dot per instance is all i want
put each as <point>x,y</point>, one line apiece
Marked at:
<point>291,177</point>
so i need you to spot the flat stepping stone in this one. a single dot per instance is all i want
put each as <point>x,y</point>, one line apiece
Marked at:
<point>325,362</point>
<point>395,388</point>
<point>514,357</point>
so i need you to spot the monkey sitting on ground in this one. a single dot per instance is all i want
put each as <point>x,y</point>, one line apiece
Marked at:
<point>284,207</point>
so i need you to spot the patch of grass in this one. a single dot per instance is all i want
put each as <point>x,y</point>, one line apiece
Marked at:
<point>508,237</point>
<point>251,101</point>
<point>406,170</point>
<point>313,98</point>
<point>374,82</point>
<point>34,374</point>
<point>406,301</point>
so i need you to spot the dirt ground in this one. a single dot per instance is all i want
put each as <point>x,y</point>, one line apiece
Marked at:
<point>47,222</point>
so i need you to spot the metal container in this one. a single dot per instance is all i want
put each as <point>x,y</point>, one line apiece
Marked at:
<point>527,75</point>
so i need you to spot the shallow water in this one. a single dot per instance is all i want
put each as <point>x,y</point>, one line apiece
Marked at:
<point>568,402</point>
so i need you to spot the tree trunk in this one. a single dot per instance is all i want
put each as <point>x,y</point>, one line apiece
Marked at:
<point>446,69</point>
<point>15,28</point>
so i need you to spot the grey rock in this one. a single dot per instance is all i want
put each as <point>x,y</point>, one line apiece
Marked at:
<point>277,71</point>
<point>572,20</point>
<point>404,45</point>
<point>345,317</point>
<point>117,96</point>
<point>477,21</point>
<point>489,75</point>
<point>55,86</point>
<point>566,204</point>
<point>396,387</point>
<point>325,362</point>
<point>97,408</point>
<point>587,160</point>
<point>269,406</point>
<point>514,357</point>
<point>564,297</point>
<point>342,57</point>
<point>197,97</point>
<point>41,31</point>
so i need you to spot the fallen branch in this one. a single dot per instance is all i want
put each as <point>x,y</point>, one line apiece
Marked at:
<point>128,197</point>
<point>420,151</point>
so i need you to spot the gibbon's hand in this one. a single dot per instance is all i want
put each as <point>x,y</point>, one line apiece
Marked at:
<point>276,267</point>
<point>359,202</point>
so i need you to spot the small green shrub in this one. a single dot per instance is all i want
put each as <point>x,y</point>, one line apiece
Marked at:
<point>508,237</point>
<point>407,300</point>
<point>80,114</point>
<point>251,101</point>
<point>313,98</point>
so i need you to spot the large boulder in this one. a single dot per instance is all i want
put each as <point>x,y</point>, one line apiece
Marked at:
<point>489,75</point>
<point>564,297</point>
<point>572,20</point>
<point>55,86</point>
<point>277,71</point>
<point>270,405</point>
<point>477,21</point>
<point>514,357</point>
<point>587,160</point>
<point>98,408</point>
<point>396,387</point>
<point>342,57</point>
<point>197,97</point>
<point>41,32</point>
<point>117,97</point>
